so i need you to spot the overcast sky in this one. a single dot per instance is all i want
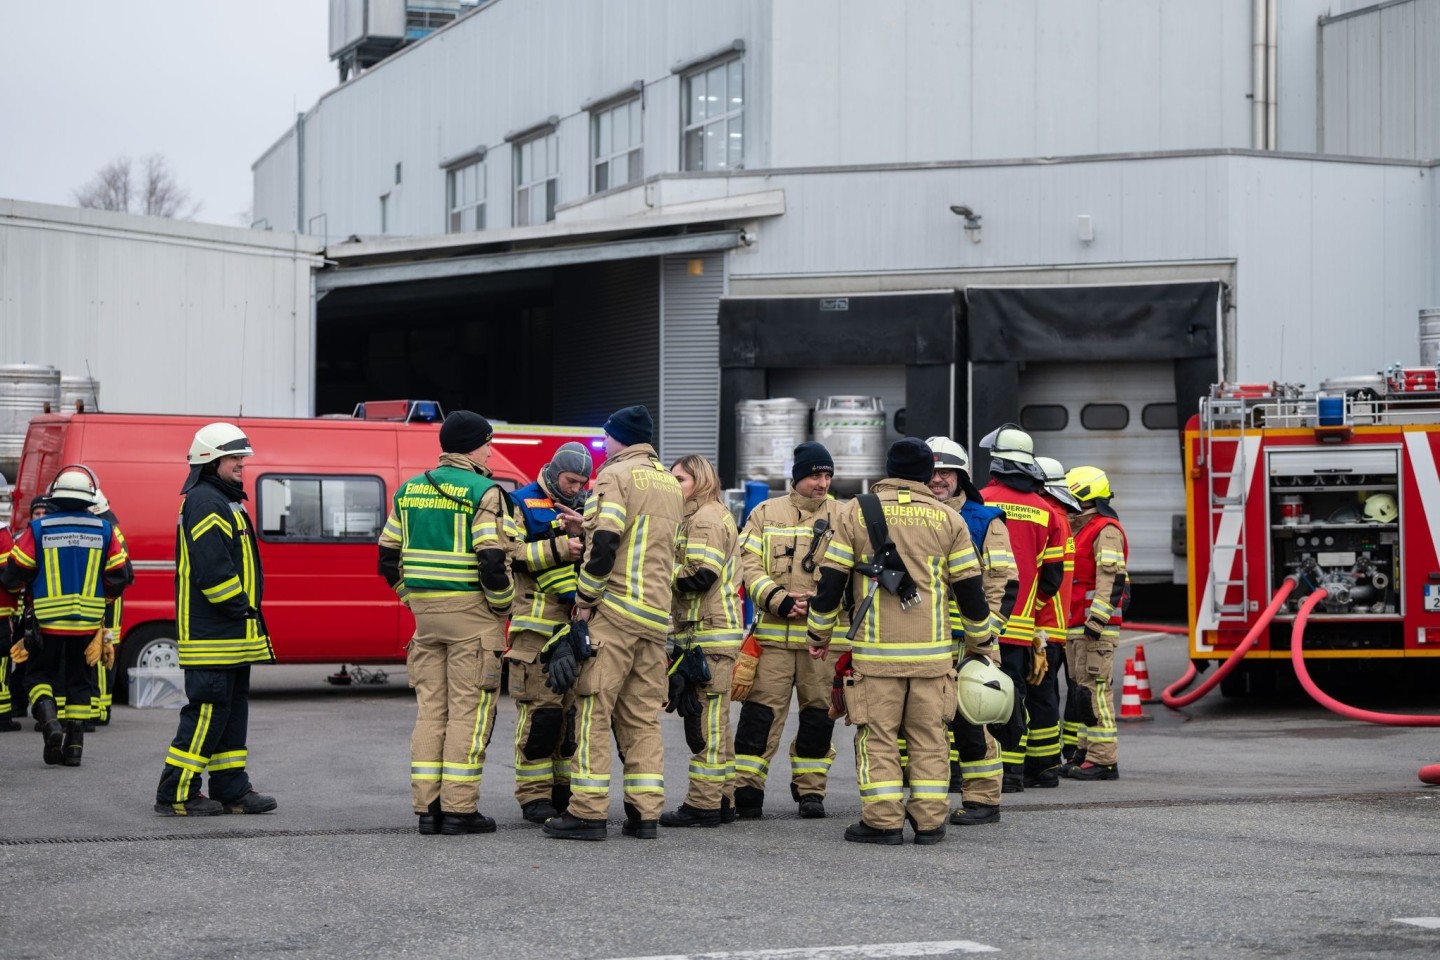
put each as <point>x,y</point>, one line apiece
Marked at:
<point>211,84</point>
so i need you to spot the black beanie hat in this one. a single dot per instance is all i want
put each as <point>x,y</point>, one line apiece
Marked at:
<point>631,425</point>
<point>910,459</point>
<point>464,431</point>
<point>810,457</point>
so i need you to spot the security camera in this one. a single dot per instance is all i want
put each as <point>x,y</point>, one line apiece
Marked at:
<point>960,210</point>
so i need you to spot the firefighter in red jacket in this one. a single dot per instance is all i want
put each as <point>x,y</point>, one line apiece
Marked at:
<point>1042,700</point>
<point>72,564</point>
<point>1037,539</point>
<point>9,614</point>
<point>1096,600</point>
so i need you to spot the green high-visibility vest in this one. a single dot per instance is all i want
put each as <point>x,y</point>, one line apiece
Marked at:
<point>435,552</point>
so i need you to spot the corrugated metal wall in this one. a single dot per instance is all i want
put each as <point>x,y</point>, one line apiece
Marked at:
<point>171,317</point>
<point>689,344</point>
<point>1379,82</point>
<point>607,333</point>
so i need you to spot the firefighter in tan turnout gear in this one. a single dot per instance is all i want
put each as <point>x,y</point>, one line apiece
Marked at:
<point>632,522</point>
<point>444,549</point>
<point>1096,602</point>
<point>781,548</point>
<point>914,553</point>
<point>975,756</point>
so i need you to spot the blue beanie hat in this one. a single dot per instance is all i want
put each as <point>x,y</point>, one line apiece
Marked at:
<point>631,425</point>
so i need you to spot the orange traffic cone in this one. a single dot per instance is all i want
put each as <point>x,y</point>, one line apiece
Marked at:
<point>1142,676</point>
<point>1130,709</point>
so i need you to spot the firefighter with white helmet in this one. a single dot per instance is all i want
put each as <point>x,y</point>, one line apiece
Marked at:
<point>71,564</point>
<point>1037,537</point>
<point>1043,746</point>
<point>1096,603</point>
<point>219,587</point>
<point>975,768</point>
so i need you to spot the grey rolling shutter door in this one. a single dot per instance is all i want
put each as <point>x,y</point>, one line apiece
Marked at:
<point>608,324</point>
<point>690,351</point>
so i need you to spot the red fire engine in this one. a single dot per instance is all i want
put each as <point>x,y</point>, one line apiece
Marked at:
<point>319,491</point>
<point>1337,490</point>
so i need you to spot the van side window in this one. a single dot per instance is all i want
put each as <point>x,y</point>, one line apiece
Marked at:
<point>319,509</point>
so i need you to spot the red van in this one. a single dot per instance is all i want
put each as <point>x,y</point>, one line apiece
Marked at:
<point>320,490</point>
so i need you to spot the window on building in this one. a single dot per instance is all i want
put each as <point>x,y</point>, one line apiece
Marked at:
<point>385,213</point>
<point>712,117</point>
<point>466,188</point>
<point>537,169</point>
<point>1104,416</point>
<point>1160,416</point>
<point>1044,416</point>
<point>617,140</point>
<point>321,509</point>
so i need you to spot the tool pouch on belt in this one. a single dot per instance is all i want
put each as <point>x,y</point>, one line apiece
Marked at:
<point>857,700</point>
<point>1039,662</point>
<point>843,669</point>
<point>746,663</point>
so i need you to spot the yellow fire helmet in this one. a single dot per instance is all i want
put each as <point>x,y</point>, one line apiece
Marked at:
<point>1088,483</point>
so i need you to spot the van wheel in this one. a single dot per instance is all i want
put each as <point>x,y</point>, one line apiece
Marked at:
<point>153,645</point>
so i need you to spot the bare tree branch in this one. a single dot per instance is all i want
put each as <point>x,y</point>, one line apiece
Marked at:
<point>152,191</point>
<point>109,189</point>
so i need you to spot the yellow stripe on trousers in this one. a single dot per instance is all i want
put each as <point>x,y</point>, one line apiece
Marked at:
<point>197,740</point>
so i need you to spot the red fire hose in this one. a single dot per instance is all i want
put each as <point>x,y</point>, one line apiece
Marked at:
<point>1172,698</point>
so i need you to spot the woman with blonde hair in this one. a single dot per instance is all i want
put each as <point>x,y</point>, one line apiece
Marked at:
<point>708,618</point>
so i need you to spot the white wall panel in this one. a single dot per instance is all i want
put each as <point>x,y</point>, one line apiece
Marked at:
<point>170,317</point>
<point>1130,68</point>
<point>1068,68</point>
<point>1003,97</point>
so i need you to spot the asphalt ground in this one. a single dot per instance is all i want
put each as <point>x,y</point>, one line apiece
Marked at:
<point>1244,828</point>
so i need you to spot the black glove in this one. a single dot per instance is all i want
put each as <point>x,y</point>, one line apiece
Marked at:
<point>1092,632</point>
<point>683,696</point>
<point>695,733</point>
<point>580,640</point>
<point>561,668</point>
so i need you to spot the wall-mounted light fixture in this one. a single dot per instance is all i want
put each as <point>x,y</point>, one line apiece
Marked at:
<point>972,220</point>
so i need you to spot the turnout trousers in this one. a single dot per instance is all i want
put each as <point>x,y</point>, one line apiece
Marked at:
<point>544,723</point>
<point>880,707</point>
<point>211,737</point>
<point>1015,660</point>
<point>712,770</point>
<point>1093,662</point>
<point>762,718</point>
<point>454,664</point>
<point>1042,705</point>
<point>58,670</point>
<point>622,687</point>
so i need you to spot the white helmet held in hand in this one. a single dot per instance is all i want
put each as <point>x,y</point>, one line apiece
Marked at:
<point>983,693</point>
<point>949,455</point>
<point>216,440</point>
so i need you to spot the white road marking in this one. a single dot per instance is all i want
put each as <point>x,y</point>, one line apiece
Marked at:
<point>867,951</point>
<point>1144,638</point>
<point>1429,923</point>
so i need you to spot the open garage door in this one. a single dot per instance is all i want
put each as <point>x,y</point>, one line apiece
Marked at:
<point>1125,423</point>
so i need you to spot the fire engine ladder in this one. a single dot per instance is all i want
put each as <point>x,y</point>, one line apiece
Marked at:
<point>1226,493</point>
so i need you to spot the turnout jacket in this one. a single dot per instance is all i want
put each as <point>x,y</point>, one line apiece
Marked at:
<point>9,603</point>
<point>544,573</point>
<point>73,564</point>
<point>1053,615</point>
<point>935,545</point>
<point>450,542</point>
<point>998,576</point>
<point>779,537</point>
<point>1100,576</point>
<point>632,526</point>
<point>1037,537</point>
<point>218,581</point>
<point>706,601</point>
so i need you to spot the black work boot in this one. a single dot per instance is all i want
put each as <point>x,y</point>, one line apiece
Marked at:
<point>971,814</point>
<point>538,811</point>
<point>1068,767</point>
<point>812,807</point>
<point>48,723</point>
<point>251,802</point>
<point>637,828</point>
<point>560,796</point>
<point>74,746</point>
<point>862,832</point>
<point>1042,779</point>
<point>566,827</point>
<point>688,816</point>
<point>431,819</point>
<point>1013,783</point>
<point>458,824</point>
<point>925,838</point>
<point>727,811</point>
<point>197,806</point>
<point>749,803</point>
<point>1096,771</point>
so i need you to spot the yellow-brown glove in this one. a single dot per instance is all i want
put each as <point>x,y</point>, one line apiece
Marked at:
<point>1039,664</point>
<point>18,653</point>
<point>743,677</point>
<point>92,649</point>
<point>107,649</point>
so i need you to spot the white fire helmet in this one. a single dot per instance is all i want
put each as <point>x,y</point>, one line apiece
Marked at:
<point>1381,508</point>
<point>75,483</point>
<point>1055,482</point>
<point>949,455</point>
<point>1009,442</point>
<point>102,504</point>
<point>983,693</point>
<point>216,440</point>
